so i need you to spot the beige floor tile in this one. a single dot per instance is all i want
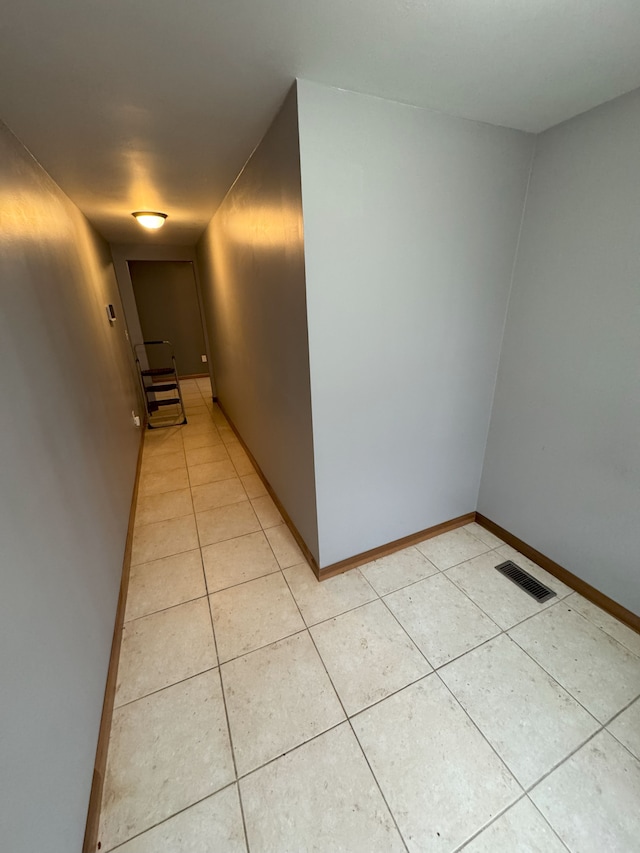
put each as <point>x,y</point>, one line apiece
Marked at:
<point>284,546</point>
<point>163,583</point>
<point>230,439</point>
<point>220,493</point>
<point>252,615</point>
<point>238,457</point>
<point>198,420</point>
<point>208,438</point>
<point>166,752</point>
<point>367,655</point>
<point>592,799</point>
<point>163,481</point>
<point>164,648</point>
<point>397,570</point>
<point>318,601</point>
<point>442,780</point>
<point>242,465</point>
<point>531,722</point>
<point>201,426</point>
<point>161,441</point>
<point>499,597</point>
<point>626,728</point>
<point>211,472</point>
<point>266,511</point>
<point>226,522</point>
<point>211,826</point>
<point>163,462</point>
<point>237,561</point>
<point>600,673</point>
<point>521,828</point>
<point>164,506</point>
<point>253,485</point>
<point>509,553</point>
<point>163,539</point>
<point>609,624</point>
<point>440,619</point>
<point>484,535</point>
<point>451,548</point>
<point>287,676</point>
<point>197,411</point>
<point>320,797</point>
<point>210,453</point>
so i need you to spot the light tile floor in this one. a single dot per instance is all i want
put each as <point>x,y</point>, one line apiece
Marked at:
<point>420,703</point>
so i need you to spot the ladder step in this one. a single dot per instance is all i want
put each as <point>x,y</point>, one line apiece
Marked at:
<point>167,386</point>
<point>158,371</point>
<point>154,405</point>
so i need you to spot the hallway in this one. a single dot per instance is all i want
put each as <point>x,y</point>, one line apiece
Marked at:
<point>419,703</point>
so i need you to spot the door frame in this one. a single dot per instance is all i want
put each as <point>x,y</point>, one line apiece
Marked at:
<point>122,253</point>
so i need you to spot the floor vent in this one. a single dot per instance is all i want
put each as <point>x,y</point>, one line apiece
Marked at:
<point>525,581</point>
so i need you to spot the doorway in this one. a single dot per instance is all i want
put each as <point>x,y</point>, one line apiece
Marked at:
<point>169,309</point>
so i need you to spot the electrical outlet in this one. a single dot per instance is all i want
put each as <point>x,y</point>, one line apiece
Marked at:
<point>135,418</point>
<point>204,358</point>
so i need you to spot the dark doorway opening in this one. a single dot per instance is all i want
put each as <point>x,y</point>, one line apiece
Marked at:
<point>169,309</point>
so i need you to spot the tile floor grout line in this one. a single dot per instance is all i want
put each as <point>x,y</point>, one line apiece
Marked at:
<point>224,701</point>
<point>348,719</point>
<point>605,728</point>
<point>170,817</point>
<point>168,607</point>
<point>306,742</point>
<point>489,823</point>
<point>226,713</point>
<point>549,824</point>
<point>224,698</point>
<point>604,630</point>
<point>414,643</point>
<point>378,786</point>
<point>482,735</point>
<point>621,711</point>
<point>166,687</point>
<point>353,732</point>
<point>437,571</point>
<point>569,755</point>
<point>199,549</point>
<point>544,668</point>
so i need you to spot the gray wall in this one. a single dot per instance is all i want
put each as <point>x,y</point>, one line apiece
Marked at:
<point>251,263</point>
<point>411,222</point>
<point>67,456</point>
<point>562,468</point>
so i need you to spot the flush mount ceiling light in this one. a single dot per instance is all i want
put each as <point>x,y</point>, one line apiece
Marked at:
<point>150,218</point>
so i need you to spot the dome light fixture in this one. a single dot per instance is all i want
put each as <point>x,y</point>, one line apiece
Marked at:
<point>152,219</point>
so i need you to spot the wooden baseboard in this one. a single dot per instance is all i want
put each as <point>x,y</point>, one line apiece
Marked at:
<point>285,515</point>
<point>90,844</point>
<point>585,589</point>
<point>396,545</point>
<point>357,559</point>
<point>194,376</point>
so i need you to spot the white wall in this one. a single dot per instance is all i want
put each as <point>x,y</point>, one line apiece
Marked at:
<point>411,222</point>
<point>562,468</point>
<point>67,460</point>
<point>252,271</point>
